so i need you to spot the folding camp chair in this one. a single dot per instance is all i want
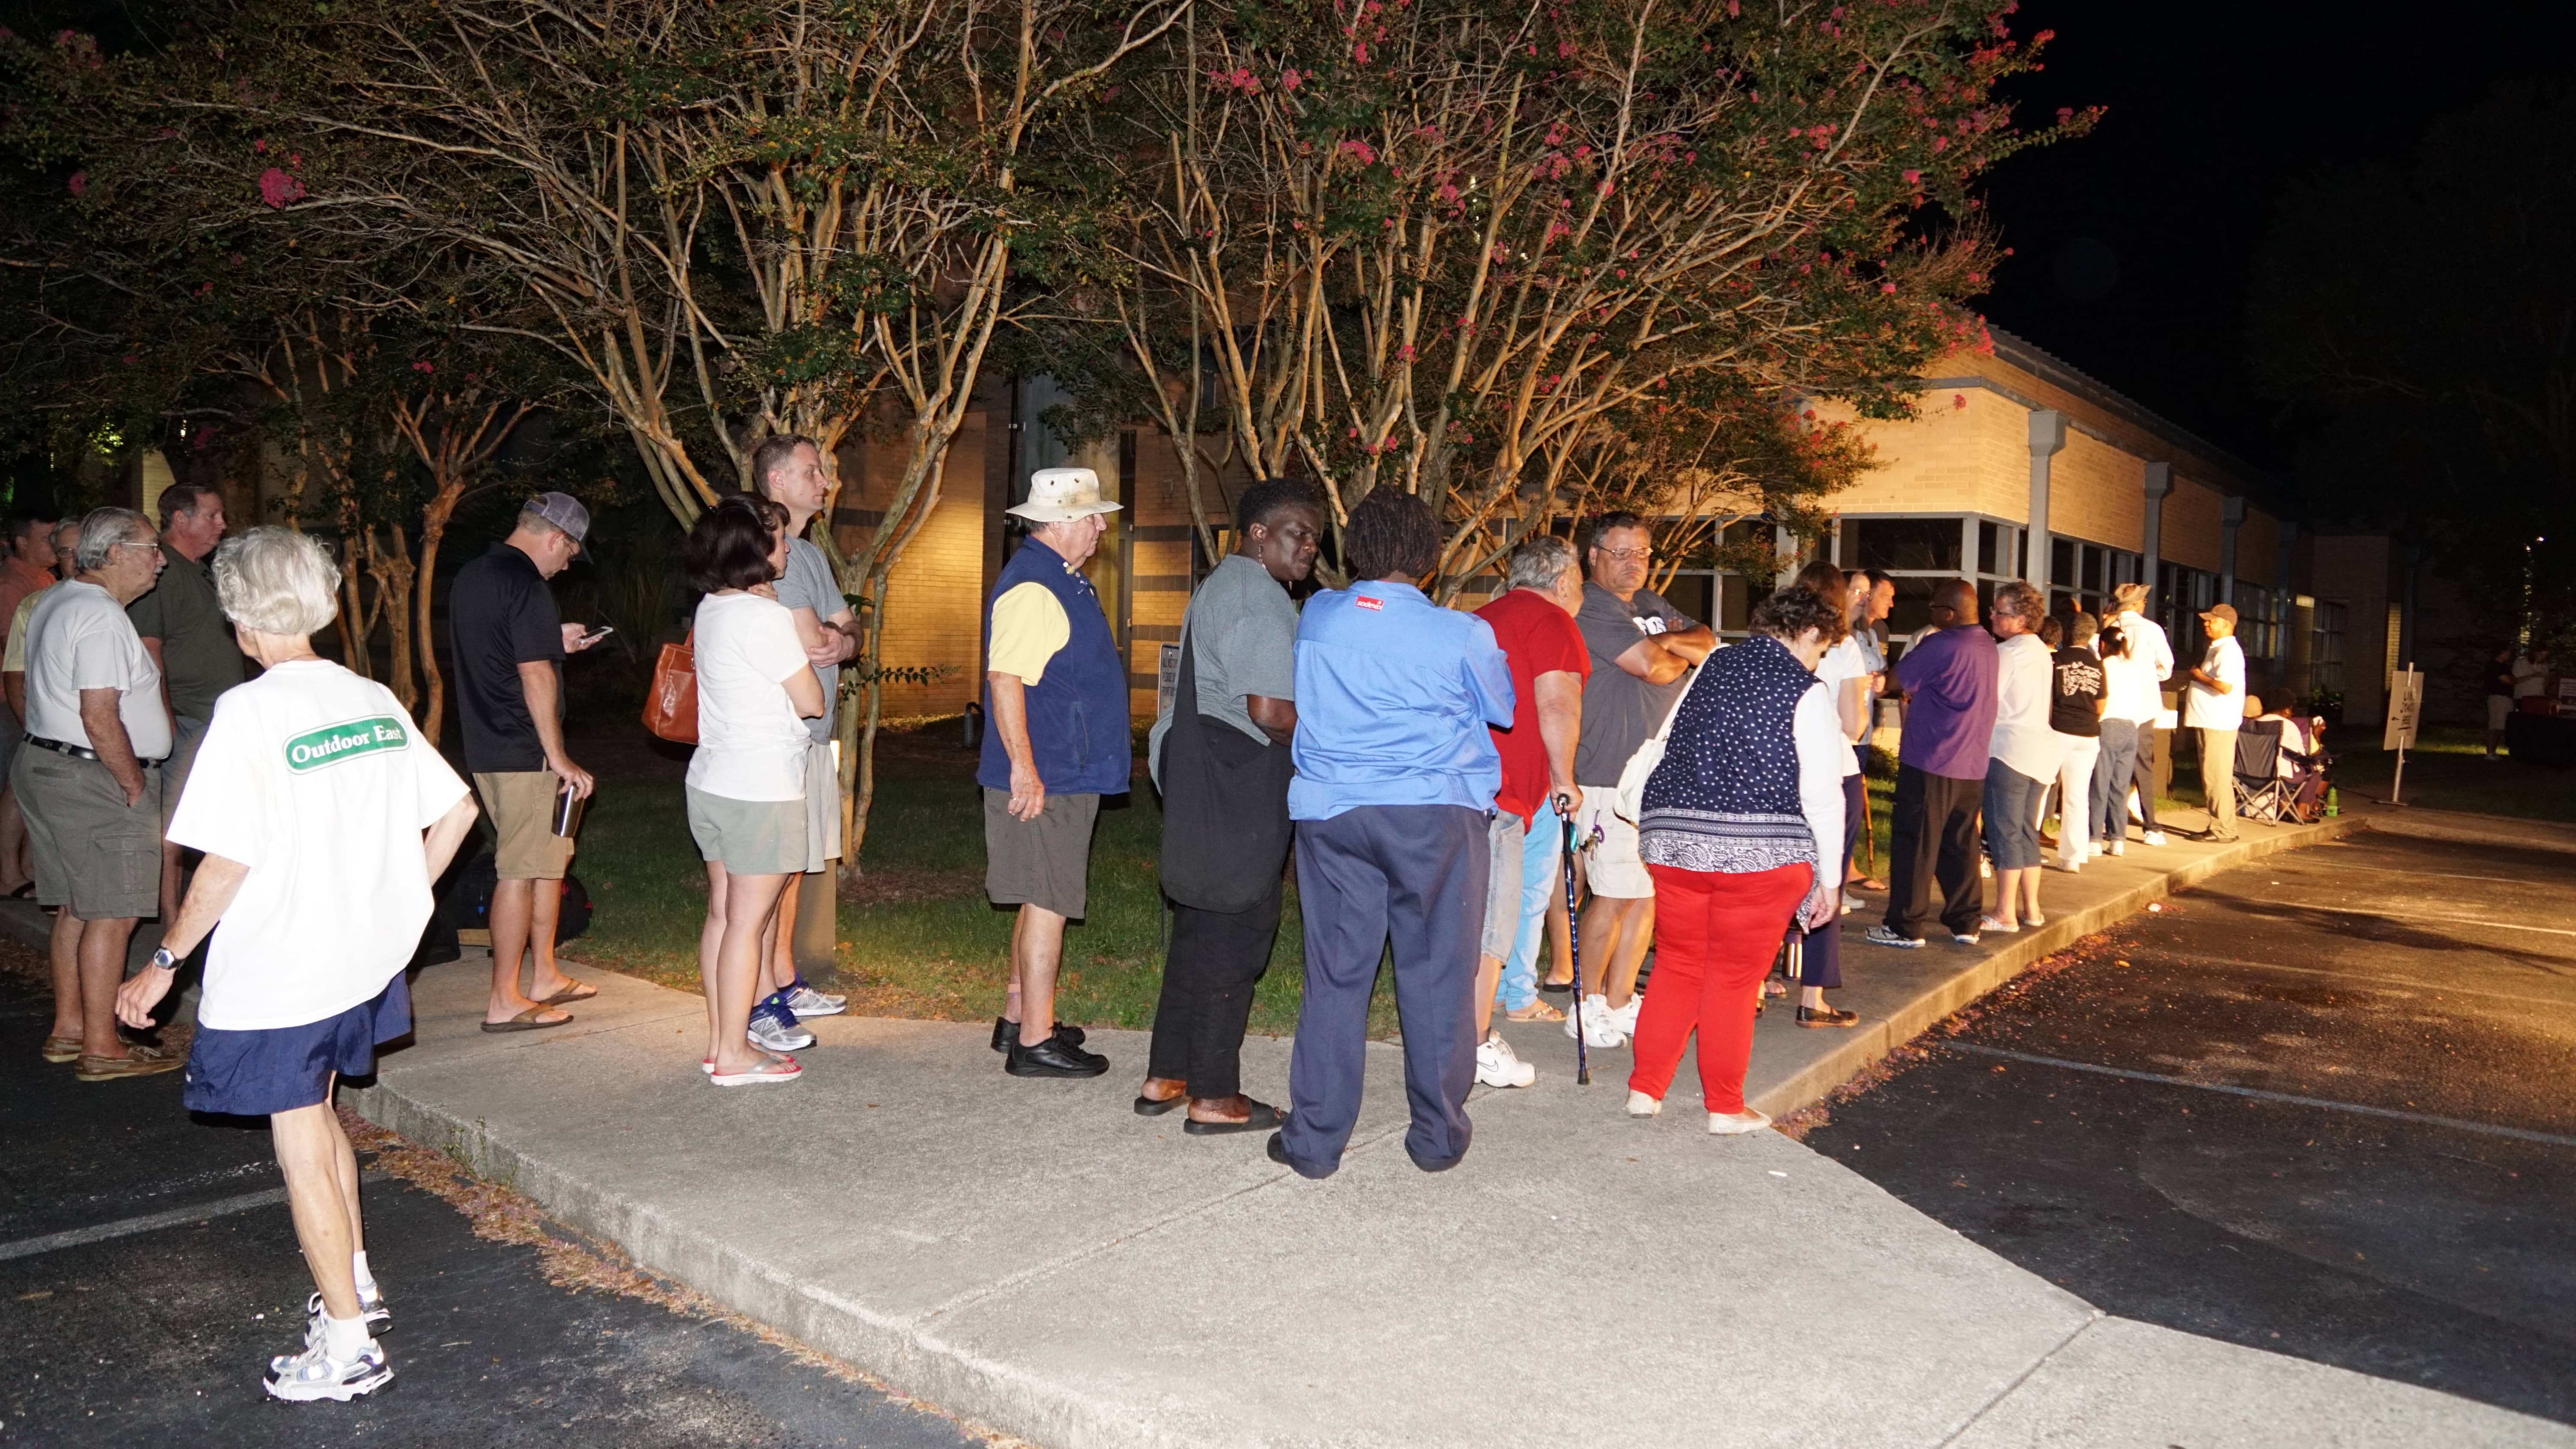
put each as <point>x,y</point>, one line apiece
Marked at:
<point>2261,793</point>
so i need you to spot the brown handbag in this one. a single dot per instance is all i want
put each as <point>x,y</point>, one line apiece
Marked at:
<point>671,705</point>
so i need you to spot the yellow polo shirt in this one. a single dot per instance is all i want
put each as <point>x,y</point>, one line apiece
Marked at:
<point>1029,626</point>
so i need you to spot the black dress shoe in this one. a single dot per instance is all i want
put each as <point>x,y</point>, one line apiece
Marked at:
<point>1007,1031</point>
<point>1278,1151</point>
<point>1263,1118</point>
<point>1054,1057</point>
<point>1826,1016</point>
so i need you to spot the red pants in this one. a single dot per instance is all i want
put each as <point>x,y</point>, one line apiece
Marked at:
<point>1715,937</point>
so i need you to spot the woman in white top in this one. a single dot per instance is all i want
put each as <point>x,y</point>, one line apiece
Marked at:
<point>746,783</point>
<point>2021,757</point>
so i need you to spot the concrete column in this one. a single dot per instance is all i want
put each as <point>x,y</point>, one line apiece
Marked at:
<point>2233,513</point>
<point>2159,483</point>
<point>2047,439</point>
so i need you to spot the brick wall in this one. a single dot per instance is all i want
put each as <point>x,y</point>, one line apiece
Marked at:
<point>2195,525</point>
<point>1968,451</point>
<point>2096,492</point>
<point>934,598</point>
<point>2258,548</point>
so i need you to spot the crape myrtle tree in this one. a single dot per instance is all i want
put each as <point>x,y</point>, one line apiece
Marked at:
<point>2419,323</point>
<point>728,218</point>
<point>174,278</point>
<point>1450,245</point>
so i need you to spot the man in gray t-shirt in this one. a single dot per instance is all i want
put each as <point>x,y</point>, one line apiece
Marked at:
<point>789,470</point>
<point>1226,830</point>
<point>1642,649</point>
<point>1243,643</point>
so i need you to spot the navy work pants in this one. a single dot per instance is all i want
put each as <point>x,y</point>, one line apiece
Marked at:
<point>1417,873</point>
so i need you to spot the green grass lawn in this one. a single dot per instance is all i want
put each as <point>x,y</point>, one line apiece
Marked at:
<point>2448,770</point>
<point>920,940</point>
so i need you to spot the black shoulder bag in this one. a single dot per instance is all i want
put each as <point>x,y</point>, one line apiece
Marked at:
<point>1225,805</point>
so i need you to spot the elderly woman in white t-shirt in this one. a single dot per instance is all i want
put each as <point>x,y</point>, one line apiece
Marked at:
<point>323,817</point>
<point>746,783</point>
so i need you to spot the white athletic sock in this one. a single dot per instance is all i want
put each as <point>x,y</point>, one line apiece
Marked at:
<point>345,1338</point>
<point>358,1270</point>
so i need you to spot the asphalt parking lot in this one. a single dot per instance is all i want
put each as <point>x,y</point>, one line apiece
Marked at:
<point>148,1270</point>
<point>2324,1105</point>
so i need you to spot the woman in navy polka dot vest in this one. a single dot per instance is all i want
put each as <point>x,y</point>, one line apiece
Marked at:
<point>1737,820</point>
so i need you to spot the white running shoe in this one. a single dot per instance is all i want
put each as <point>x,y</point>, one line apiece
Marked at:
<point>1498,1066</point>
<point>1641,1105</point>
<point>804,1000</point>
<point>772,1035</point>
<point>2153,837</point>
<point>1600,1029</point>
<point>1625,1017</point>
<point>1736,1124</point>
<point>315,1374</point>
<point>2119,847</point>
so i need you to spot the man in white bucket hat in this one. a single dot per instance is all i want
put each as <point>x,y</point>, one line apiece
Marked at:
<point>1055,696</point>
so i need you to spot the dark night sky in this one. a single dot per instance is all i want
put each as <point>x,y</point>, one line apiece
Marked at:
<point>2134,246</point>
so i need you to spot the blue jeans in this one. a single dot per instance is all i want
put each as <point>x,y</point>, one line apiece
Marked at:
<point>2111,771</point>
<point>1542,876</point>
<point>2012,816</point>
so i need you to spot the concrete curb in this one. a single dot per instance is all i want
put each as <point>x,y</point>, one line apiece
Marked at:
<point>1812,1083</point>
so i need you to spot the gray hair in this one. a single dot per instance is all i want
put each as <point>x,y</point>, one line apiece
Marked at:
<point>1539,562</point>
<point>277,581</point>
<point>66,535</point>
<point>103,530</point>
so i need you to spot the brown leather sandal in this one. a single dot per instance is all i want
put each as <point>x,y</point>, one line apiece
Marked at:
<point>138,1061</point>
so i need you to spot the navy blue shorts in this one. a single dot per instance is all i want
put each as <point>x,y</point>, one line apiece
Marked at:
<point>257,1073</point>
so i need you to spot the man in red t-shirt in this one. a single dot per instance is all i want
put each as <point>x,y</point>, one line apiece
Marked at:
<point>1534,624</point>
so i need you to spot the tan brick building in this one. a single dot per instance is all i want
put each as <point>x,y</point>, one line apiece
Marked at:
<point>2016,466</point>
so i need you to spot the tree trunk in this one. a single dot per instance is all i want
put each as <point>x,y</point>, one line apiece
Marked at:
<point>433,532</point>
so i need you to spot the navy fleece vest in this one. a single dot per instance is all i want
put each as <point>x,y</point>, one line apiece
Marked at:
<point>1078,708</point>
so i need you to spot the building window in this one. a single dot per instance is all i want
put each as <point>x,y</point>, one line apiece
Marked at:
<point>1919,552</point>
<point>2182,594</point>
<point>2326,651</point>
<point>2081,575</point>
<point>2258,620</point>
<point>1718,597</point>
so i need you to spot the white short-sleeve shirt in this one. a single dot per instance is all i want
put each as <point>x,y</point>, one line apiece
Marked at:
<point>1843,663</point>
<point>317,781</point>
<point>751,742</point>
<point>79,638</point>
<point>2207,709</point>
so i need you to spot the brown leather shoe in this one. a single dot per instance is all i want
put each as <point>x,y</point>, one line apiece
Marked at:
<point>61,1049</point>
<point>138,1061</point>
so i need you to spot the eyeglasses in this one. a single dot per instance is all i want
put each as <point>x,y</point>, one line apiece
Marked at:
<point>1625,555</point>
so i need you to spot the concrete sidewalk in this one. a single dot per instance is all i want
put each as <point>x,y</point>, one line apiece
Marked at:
<point>1036,1256</point>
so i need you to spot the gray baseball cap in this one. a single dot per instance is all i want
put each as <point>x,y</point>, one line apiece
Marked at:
<point>565,512</point>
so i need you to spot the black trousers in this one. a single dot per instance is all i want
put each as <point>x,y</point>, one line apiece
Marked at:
<point>1215,959</point>
<point>1933,837</point>
<point>2143,775</point>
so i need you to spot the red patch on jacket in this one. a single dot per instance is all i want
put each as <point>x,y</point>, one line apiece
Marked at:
<point>1365,602</point>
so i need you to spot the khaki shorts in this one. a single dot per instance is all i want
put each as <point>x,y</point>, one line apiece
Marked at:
<point>748,837</point>
<point>95,854</point>
<point>822,809</point>
<point>1044,862</point>
<point>1505,839</point>
<point>1610,862</point>
<point>521,806</point>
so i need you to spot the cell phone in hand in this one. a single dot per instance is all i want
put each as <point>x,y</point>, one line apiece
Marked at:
<point>595,635</point>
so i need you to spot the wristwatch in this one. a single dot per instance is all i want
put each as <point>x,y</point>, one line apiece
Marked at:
<point>162,958</point>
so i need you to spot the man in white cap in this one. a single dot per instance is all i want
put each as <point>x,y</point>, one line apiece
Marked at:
<point>1055,696</point>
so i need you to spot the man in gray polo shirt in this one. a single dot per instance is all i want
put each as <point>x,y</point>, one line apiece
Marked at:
<point>789,469</point>
<point>184,630</point>
<point>90,782</point>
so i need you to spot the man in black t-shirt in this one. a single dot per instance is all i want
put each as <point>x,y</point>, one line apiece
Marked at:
<point>509,643</point>
<point>2076,699</point>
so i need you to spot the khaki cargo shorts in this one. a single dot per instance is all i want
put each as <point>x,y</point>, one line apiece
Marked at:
<point>95,854</point>
<point>521,806</point>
